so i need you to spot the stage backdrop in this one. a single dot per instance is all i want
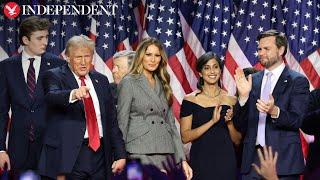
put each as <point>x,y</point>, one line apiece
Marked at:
<point>187,29</point>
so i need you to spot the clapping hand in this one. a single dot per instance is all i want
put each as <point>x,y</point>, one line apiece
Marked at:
<point>216,114</point>
<point>229,115</point>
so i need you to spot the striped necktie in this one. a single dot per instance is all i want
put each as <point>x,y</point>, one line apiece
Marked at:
<point>31,79</point>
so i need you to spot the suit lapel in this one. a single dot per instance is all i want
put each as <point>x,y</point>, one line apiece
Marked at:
<point>144,84</point>
<point>21,81</point>
<point>257,82</point>
<point>70,81</point>
<point>281,84</point>
<point>44,66</point>
<point>256,85</point>
<point>99,91</point>
<point>98,88</point>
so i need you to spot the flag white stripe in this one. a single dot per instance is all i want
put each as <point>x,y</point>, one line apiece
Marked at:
<point>314,58</point>
<point>3,54</point>
<point>126,44</point>
<point>190,37</point>
<point>228,81</point>
<point>101,67</point>
<point>238,56</point>
<point>294,65</point>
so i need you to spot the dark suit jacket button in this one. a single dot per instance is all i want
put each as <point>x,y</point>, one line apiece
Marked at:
<point>152,122</point>
<point>161,122</point>
<point>151,109</point>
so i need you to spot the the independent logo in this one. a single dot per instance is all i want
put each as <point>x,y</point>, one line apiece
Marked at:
<point>11,10</point>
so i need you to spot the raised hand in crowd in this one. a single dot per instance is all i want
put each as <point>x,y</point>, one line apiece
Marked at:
<point>268,161</point>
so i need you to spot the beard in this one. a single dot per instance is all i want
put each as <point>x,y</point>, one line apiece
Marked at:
<point>269,62</point>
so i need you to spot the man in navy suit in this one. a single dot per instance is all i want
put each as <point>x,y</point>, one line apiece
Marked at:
<point>271,107</point>
<point>21,90</point>
<point>83,133</point>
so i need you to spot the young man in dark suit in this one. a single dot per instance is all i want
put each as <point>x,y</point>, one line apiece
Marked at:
<point>272,103</point>
<point>83,134</point>
<point>21,90</point>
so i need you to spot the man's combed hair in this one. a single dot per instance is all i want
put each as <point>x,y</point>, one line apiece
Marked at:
<point>32,24</point>
<point>281,39</point>
<point>125,53</point>
<point>79,41</point>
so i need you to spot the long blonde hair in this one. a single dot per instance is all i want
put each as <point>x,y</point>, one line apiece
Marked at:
<point>161,72</point>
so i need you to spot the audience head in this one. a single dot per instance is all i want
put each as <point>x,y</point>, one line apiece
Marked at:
<point>122,61</point>
<point>210,67</point>
<point>272,47</point>
<point>151,59</point>
<point>79,52</point>
<point>33,34</point>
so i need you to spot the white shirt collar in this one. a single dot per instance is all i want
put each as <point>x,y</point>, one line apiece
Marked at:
<point>77,77</point>
<point>277,71</point>
<point>26,56</point>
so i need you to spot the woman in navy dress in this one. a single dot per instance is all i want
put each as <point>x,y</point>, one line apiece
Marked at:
<point>206,121</point>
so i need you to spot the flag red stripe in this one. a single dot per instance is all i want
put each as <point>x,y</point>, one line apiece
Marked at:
<point>230,63</point>
<point>191,58</point>
<point>310,72</point>
<point>180,74</point>
<point>176,108</point>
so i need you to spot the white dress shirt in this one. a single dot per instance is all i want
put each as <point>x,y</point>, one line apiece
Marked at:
<point>276,73</point>
<point>26,64</point>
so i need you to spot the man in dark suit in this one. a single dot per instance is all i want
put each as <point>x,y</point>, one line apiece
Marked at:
<point>21,90</point>
<point>311,125</point>
<point>83,132</point>
<point>271,107</point>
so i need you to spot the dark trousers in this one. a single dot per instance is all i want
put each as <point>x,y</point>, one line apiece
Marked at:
<point>89,164</point>
<point>253,175</point>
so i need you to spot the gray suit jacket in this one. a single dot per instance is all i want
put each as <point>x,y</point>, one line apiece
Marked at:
<point>146,120</point>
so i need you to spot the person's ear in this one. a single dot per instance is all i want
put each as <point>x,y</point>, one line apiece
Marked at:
<point>281,51</point>
<point>25,40</point>
<point>67,59</point>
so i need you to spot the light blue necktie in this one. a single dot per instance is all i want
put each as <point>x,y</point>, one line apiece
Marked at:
<point>266,91</point>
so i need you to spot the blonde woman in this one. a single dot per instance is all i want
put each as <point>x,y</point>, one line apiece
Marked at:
<point>144,109</point>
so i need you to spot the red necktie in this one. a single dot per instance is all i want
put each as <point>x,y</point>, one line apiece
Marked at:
<point>91,120</point>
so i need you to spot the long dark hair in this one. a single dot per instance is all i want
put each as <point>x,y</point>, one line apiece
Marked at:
<point>202,61</point>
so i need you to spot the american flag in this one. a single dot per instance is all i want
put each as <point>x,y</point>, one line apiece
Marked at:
<point>187,29</point>
<point>303,31</point>
<point>115,31</point>
<point>252,18</point>
<point>63,28</point>
<point>8,36</point>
